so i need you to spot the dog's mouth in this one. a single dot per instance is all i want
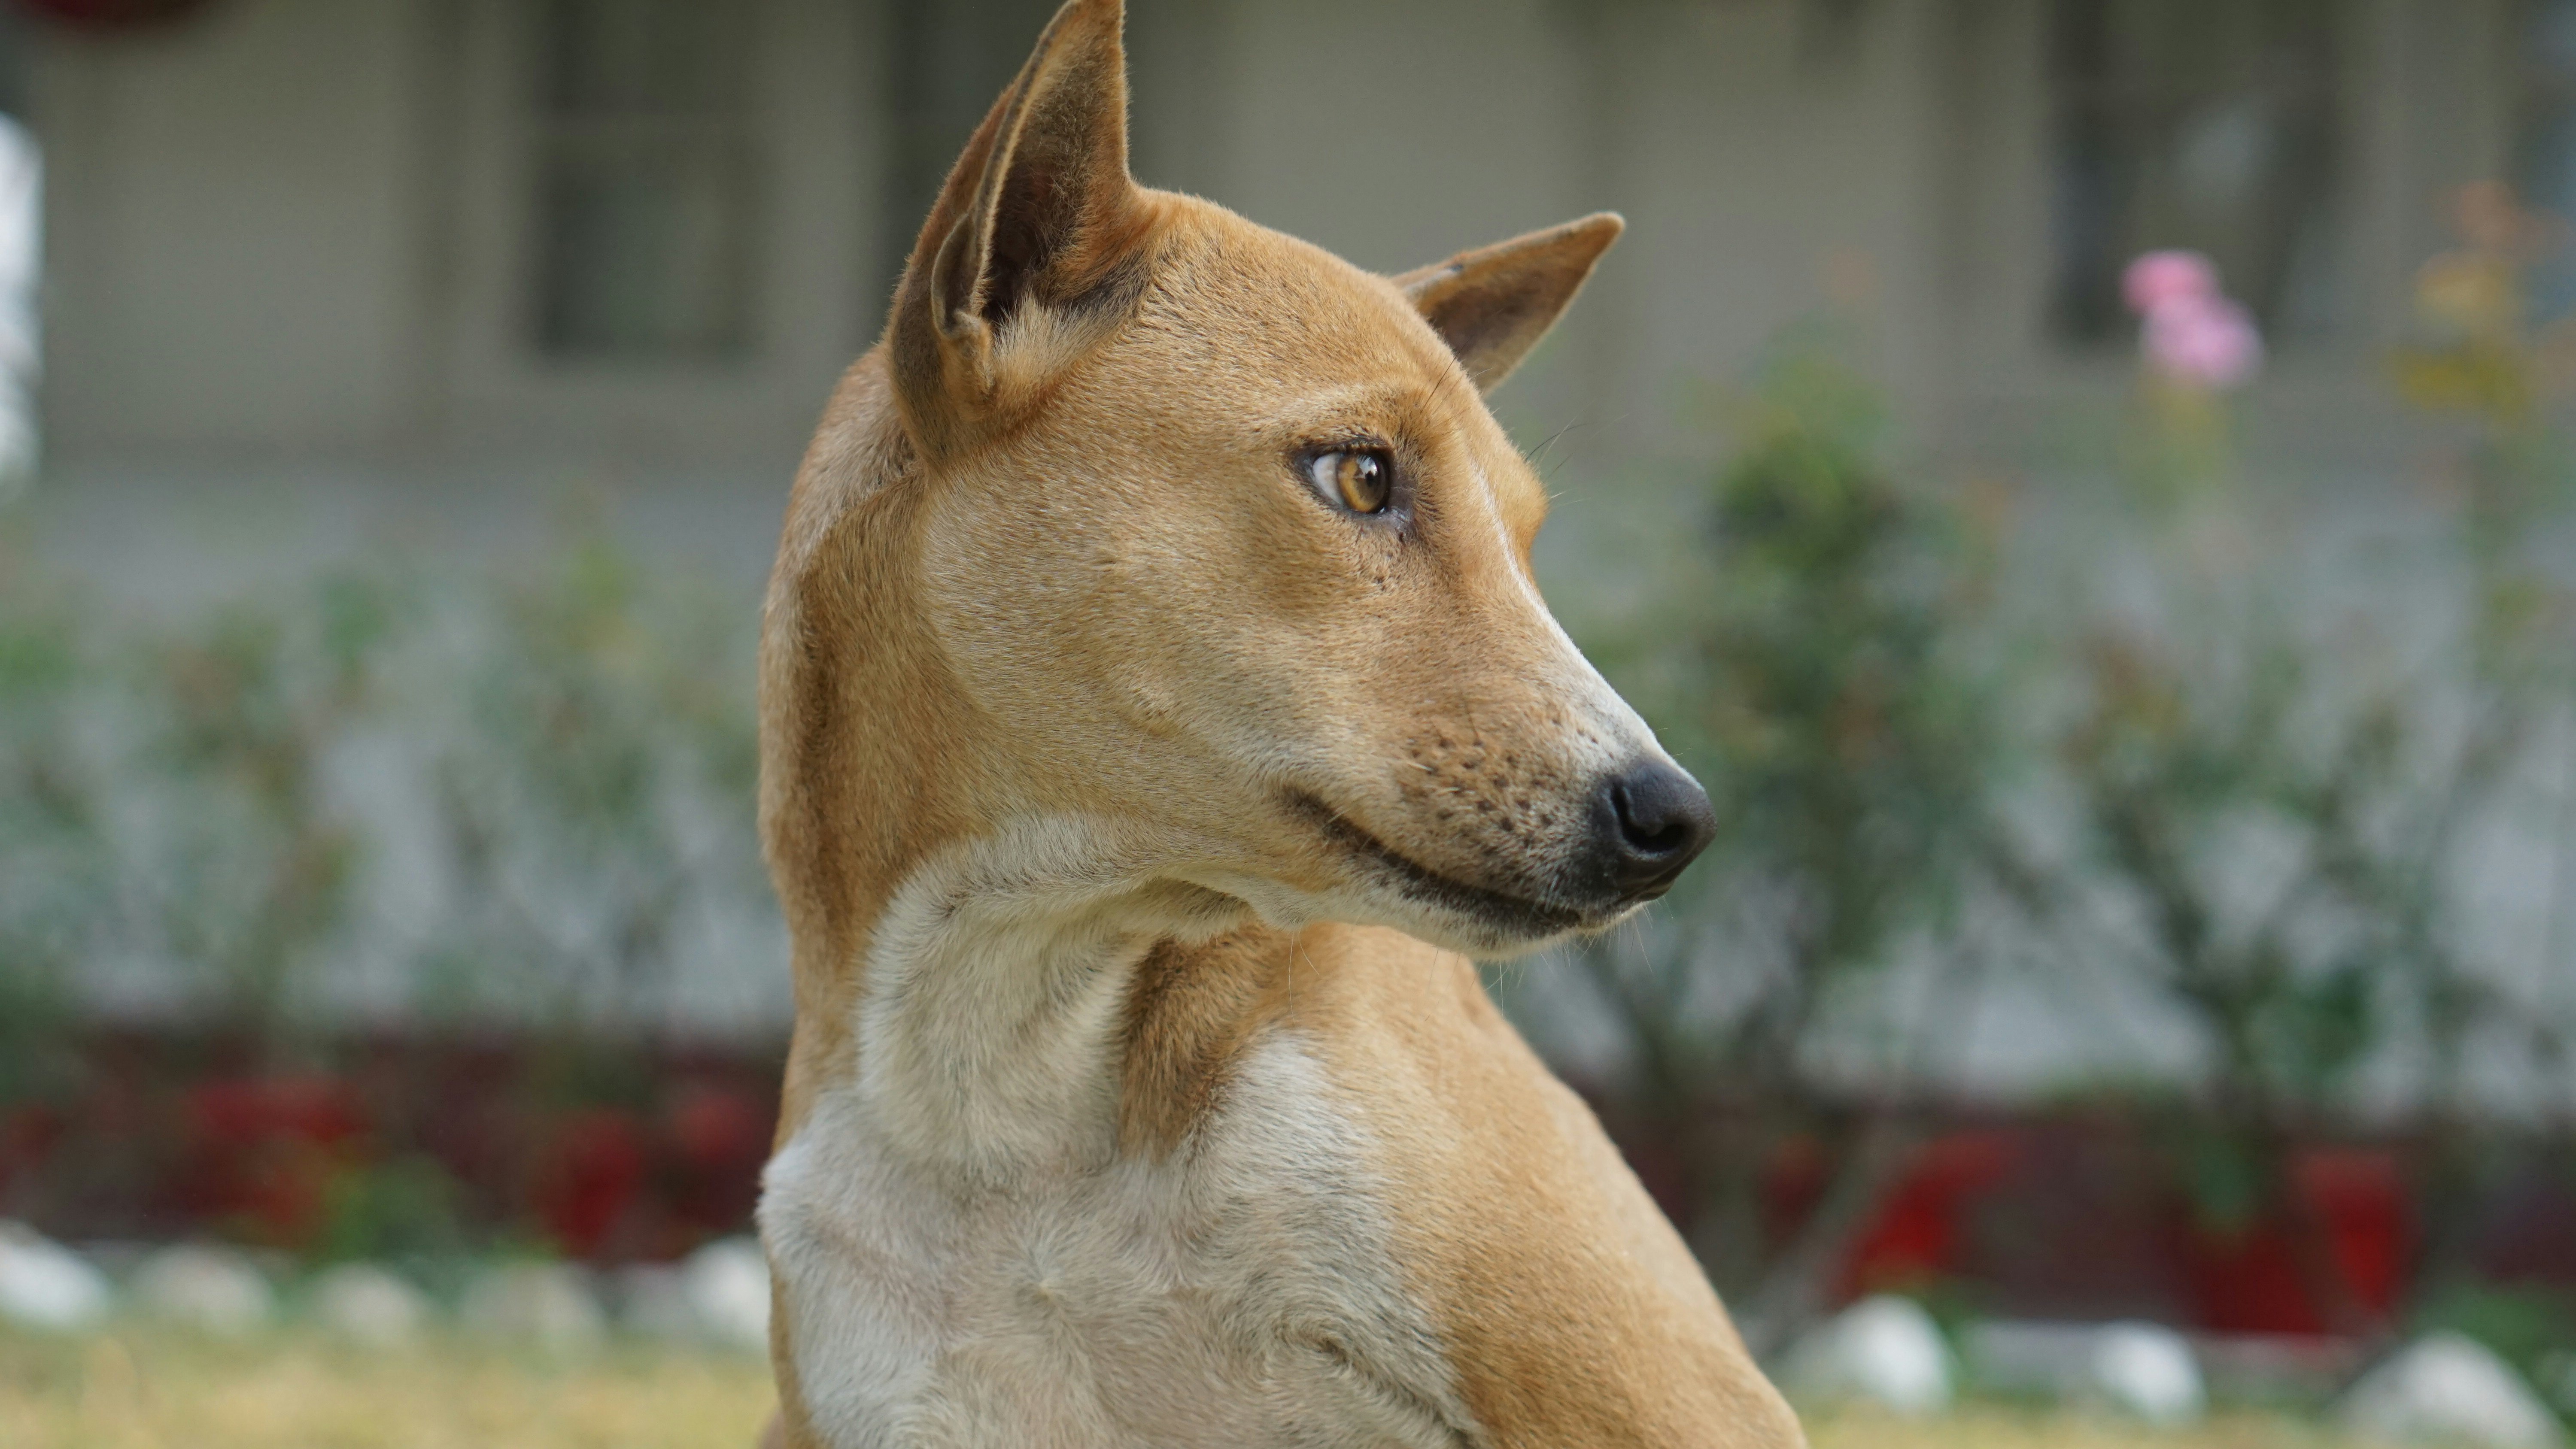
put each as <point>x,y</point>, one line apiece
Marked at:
<point>1507,915</point>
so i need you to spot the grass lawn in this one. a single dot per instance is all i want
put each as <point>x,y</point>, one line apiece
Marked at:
<point>150,1390</point>
<point>1994,1427</point>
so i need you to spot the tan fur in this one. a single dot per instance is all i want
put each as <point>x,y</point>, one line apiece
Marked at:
<point>1110,777</point>
<point>1191,1013</point>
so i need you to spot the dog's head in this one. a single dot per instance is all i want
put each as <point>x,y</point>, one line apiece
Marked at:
<point>1219,535</point>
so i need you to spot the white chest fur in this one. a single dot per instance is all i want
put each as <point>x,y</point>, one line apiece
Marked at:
<point>966,1262</point>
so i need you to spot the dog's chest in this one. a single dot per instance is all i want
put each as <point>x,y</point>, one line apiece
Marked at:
<point>1242,1291</point>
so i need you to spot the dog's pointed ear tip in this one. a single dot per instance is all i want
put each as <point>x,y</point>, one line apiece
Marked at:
<point>1601,228</point>
<point>1108,15</point>
<point>1082,28</point>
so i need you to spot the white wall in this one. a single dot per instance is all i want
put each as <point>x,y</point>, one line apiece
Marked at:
<point>295,229</point>
<point>234,230</point>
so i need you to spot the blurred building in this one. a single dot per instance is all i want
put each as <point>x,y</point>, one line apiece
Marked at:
<point>322,277</point>
<point>316,264</point>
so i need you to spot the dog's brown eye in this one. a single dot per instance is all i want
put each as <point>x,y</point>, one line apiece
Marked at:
<point>1359,478</point>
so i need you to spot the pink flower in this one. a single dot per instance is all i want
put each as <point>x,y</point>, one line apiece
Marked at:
<point>2192,334</point>
<point>2161,279</point>
<point>2206,341</point>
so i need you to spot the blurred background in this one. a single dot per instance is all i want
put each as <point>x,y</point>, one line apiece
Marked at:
<point>2083,481</point>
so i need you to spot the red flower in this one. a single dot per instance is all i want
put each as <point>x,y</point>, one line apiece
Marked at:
<point>592,1175</point>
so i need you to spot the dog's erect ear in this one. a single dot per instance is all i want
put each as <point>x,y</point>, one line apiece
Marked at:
<point>1493,304</point>
<point>1039,214</point>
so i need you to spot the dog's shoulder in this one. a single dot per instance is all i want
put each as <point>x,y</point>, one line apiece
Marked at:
<point>1570,1309</point>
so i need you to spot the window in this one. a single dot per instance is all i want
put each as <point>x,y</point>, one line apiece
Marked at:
<point>643,175</point>
<point>2208,124</point>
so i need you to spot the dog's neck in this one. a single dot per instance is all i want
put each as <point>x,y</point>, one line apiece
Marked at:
<point>991,1023</point>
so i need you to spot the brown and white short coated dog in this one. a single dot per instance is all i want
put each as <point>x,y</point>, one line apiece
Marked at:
<point>1156,712</point>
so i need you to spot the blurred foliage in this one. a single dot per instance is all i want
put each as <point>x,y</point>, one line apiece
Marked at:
<point>1823,664</point>
<point>244,873</point>
<point>2281,817</point>
<point>50,855</point>
<point>2227,802</point>
<point>514,797</point>
<point>2531,1327</point>
<point>600,779</point>
<point>407,1209</point>
<point>1850,734</point>
<point>507,812</point>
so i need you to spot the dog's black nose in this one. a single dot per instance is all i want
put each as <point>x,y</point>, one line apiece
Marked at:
<point>1650,820</point>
